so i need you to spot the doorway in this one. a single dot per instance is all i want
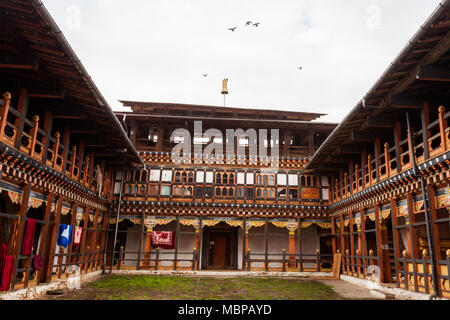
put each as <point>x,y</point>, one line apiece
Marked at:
<point>220,247</point>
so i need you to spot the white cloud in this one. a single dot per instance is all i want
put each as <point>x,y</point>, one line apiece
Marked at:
<point>157,50</point>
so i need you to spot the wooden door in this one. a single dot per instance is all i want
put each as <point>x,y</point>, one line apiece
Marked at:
<point>220,251</point>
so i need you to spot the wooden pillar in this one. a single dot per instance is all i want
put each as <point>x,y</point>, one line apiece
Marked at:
<point>148,245</point>
<point>159,142</point>
<point>66,143</point>
<point>398,151</point>
<point>412,234</point>
<point>200,236</point>
<point>378,239</point>
<point>300,246</point>
<point>351,168</point>
<point>44,232</point>
<point>292,248</point>
<point>387,159</point>
<point>74,160</point>
<point>442,127</point>
<point>84,238</point>
<point>69,257</point>
<point>345,184</point>
<point>425,120</point>
<point>22,108</point>
<point>437,244</point>
<point>363,167</point>
<point>17,243</point>
<point>363,242</point>
<point>34,135</point>
<point>48,122</point>
<point>85,169</point>
<point>343,246</point>
<point>377,157</point>
<point>4,113</point>
<point>356,178</point>
<point>396,239</point>
<point>141,240</point>
<point>352,239</point>
<point>52,245</point>
<point>56,150</point>
<point>177,242</point>
<point>80,163</point>
<point>369,169</point>
<point>333,232</point>
<point>266,244</point>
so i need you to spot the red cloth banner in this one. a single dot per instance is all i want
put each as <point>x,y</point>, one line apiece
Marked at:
<point>28,238</point>
<point>163,239</point>
<point>6,273</point>
<point>77,237</point>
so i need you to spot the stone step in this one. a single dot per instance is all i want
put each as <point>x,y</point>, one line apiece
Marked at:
<point>382,295</point>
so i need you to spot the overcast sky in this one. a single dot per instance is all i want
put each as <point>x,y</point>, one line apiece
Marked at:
<point>158,50</point>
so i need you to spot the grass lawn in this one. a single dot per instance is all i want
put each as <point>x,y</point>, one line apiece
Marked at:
<point>140,287</point>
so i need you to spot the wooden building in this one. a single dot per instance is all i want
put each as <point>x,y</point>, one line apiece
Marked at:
<point>373,189</point>
<point>388,161</point>
<point>59,144</point>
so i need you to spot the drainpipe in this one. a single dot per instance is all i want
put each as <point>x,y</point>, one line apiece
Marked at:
<point>117,221</point>
<point>426,199</point>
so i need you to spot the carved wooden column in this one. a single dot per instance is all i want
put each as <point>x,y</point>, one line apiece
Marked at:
<point>4,113</point>
<point>34,135</point>
<point>378,238</point>
<point>442,127</point>
<point>148,245</point>
<point>56,150</point>
<point>292,248</point>
<point>52,245</point>
<point>387,159</point>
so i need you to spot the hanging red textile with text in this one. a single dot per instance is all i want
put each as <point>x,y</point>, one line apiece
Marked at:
<point>163,239</point>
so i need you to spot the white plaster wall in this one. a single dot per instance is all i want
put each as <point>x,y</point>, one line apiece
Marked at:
<point>279,240</point>
<point>186,244</point>
<point>132,245</point>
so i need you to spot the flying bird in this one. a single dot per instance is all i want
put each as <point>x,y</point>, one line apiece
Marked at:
<point>300,68</point>
<point>232,29</point>
<point>256,24</point>
<point>205,75</point>
<point>248,23</point>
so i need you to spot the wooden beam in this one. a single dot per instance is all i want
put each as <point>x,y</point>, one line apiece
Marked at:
<point>404,102</point>
<point>363,136</point>
<point>373,122</point>
<point>434,73</point>
<point>438,50</point>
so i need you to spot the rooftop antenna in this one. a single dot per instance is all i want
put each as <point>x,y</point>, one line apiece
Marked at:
<point>225,91</point>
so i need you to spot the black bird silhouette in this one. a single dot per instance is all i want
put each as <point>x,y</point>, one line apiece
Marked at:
<point>248,23</point>
<point>232,29</point>
<point>205,75</point>
<point>300,68</point>
<point>256,24</point>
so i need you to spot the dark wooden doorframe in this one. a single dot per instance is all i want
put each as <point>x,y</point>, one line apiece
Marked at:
<point>232,250</point>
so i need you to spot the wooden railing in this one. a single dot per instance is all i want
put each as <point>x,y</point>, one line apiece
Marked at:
<point>44,146</point>
<point>284,262</point>
<point>387,164</point>
<point>356,265</point>
<point>415,274</point>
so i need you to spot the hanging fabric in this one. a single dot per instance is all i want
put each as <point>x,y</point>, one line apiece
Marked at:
<point>3,251</point>
<point>65,235</point>
<point>28,238</point>
<point>77,236</point>
<point>163,239</point>
<point>37,262</point>
<point>6,273</point>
